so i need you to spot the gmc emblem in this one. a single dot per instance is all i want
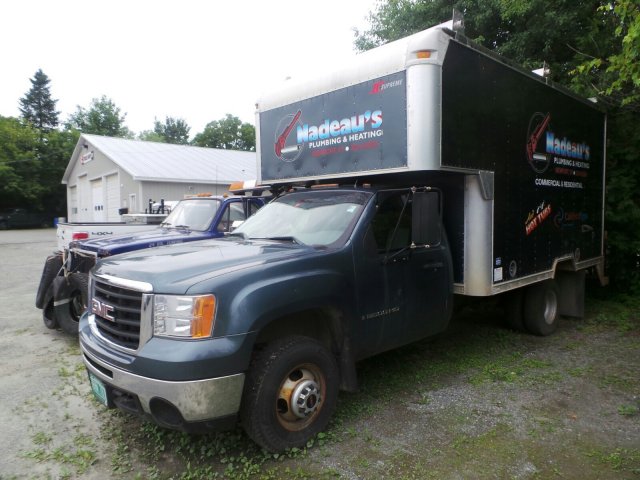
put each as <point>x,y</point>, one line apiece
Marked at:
<point>102,310</point>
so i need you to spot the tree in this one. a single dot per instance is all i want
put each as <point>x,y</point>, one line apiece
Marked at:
<point>18,163</point>
<point>613,73</point>
<point>150,136</point>
<point>32,164</point>
<point>227,133</point>
<point>529,32</point>
<point>37,107</point>
<point>174,130</point>
<point>102,118</point>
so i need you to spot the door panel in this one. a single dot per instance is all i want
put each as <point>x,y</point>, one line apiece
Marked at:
<point>404,292</point>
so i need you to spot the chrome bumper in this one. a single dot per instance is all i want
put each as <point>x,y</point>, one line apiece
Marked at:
<point>197,400</point>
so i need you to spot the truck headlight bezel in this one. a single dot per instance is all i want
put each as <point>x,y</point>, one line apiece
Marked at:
<point>184,316</point>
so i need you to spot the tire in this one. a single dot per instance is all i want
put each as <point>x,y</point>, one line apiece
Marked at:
<point>514,310</point>
<point>52,266</point>
<point>70,300</point>
<point>290,393</point>
<point>4,226</point>
<point>48,313</point>
<point>541,308</point>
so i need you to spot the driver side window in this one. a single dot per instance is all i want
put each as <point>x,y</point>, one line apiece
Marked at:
<point>391,226</point>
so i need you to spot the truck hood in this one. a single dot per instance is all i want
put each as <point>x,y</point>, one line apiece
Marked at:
<point>135,241</point>
<point>176,268</point>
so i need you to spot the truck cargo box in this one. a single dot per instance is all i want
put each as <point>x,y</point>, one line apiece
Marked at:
<point>521,160</point>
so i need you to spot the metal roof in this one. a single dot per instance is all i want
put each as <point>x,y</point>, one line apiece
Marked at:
<point>165,162</point>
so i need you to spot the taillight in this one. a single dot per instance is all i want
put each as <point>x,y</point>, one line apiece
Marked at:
<point>79,236</point>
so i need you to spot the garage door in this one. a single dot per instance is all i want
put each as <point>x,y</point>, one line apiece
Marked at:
<point>97,201</point>
<point>113,198</point>
<point>85,212</point>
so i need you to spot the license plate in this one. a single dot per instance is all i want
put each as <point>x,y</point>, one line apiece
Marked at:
<point>99,390</point>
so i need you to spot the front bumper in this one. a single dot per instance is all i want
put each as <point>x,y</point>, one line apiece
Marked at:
<point>195,405</point>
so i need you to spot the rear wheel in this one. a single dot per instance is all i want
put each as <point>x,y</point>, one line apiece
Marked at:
<point>290,394</point>
<point>70,300</point>
<point>541,308</point>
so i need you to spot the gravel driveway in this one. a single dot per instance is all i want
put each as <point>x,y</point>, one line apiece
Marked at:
<point>479,402</point>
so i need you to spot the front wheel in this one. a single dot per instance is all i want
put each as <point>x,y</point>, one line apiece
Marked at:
<point>290,393</point>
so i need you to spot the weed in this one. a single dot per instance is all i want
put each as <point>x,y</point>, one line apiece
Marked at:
<point>628,410</point>
<point>41,438</point>
<point>620,459</point>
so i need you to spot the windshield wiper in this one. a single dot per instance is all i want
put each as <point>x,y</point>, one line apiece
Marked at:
<point>186,227</point>
<point>165,224</point>
<point>289,239</point>
<point>237,234</point>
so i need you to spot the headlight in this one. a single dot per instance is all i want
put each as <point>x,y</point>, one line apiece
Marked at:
<point>183,315</point>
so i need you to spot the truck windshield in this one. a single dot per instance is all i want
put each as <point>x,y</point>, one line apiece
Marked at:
<point>193,214</point>
<point>318,218</point>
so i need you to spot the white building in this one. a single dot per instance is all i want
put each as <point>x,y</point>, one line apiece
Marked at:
<point>107,174</point>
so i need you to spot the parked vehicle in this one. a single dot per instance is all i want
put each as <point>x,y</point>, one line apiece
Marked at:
<point>63,285</point>
<point>427,168</point>
<point>23,218</point>
<point>131,223</point>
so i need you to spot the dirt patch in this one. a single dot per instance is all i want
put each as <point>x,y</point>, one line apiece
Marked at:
<point>479,402</point>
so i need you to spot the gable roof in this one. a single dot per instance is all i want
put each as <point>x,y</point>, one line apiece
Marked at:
<point>165,162</point>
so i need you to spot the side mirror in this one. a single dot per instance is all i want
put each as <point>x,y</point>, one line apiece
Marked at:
<point>235,224</point>
<point>425,221</point>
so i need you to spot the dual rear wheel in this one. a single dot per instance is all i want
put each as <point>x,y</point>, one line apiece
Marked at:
<point>534,309</point>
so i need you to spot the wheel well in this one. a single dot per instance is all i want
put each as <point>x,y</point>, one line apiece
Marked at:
<point>325,325</point>
<point>322,324</point>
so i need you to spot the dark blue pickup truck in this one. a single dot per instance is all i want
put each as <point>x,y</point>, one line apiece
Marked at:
<point>63,284</point>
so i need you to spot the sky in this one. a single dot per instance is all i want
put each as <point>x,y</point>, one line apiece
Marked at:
<point>192,59</point>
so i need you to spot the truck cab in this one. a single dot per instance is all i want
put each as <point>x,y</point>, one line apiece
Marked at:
<point>359,269</point>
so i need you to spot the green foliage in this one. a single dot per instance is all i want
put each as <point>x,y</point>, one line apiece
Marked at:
<point>18,161</point>
<point>227,133</point>
<point>623,201</point>
<point>103,117</point>
<point>614,73</point>
<point>173,130</point>
<point>37,107</point>
<point>32,164</point>
<point>150,136</point>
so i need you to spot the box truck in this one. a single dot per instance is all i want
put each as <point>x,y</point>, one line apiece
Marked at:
<point>424,170</point>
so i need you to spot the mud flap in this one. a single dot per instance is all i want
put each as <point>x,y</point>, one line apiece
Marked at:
<point>52,267</point>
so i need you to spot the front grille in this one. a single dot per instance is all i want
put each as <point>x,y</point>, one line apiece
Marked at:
<point>124,329</point>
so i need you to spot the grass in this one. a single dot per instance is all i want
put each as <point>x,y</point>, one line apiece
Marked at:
<point>481,437</point>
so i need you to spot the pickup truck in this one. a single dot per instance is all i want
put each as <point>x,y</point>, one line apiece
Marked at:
<point>131,223</point>
<point>426,170</point>
<point>62,291</point>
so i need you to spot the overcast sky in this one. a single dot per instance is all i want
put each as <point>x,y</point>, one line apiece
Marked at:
<point>191,59</point>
